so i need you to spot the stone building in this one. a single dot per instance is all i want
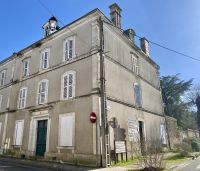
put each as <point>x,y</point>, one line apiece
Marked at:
<point>49,89</point>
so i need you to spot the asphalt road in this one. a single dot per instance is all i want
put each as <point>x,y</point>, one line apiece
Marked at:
<point>5,166</point>
<point>192,166</point>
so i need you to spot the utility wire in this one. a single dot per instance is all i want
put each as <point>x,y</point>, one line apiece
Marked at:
<point>51,13</point>
<point>159,45</point>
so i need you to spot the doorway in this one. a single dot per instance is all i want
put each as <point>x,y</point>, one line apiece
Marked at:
<point>41,137</point>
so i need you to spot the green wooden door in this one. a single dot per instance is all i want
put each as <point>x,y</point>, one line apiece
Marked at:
<point>41,137</point>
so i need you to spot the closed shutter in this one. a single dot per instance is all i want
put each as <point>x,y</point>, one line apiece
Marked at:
<point>163,134</point>
<point>65,84</point>
<point>70,49</point>
<point>66,133</point>
<point>66,50</point>
<point>19,126</point>
<point>70,92</point>
<point>138,98</point>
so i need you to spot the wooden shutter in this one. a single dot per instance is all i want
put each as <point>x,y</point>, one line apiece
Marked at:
<point>138,98</point>
<point>70,49</point>
<point>19,126</point>
<point>66,132</point>
<point>163,134</point>
<point>65,86</point>
<point>70,85</point>
<point>66,52</point>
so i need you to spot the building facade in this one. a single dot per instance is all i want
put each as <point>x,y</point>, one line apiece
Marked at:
<point>49,89</point>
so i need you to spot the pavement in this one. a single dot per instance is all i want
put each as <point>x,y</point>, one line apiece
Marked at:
<point>193,165</point>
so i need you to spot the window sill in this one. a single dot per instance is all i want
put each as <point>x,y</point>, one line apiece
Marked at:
<point>65,147</point>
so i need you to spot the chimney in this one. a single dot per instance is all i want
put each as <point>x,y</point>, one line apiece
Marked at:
<point>50,26</point>
<point>115,14</point>
<point>130,33</point>
<point>144,45</point>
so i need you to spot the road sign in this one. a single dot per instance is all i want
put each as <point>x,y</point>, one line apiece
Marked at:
<point>93,117</point>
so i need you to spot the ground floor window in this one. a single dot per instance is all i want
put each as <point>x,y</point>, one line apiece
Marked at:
<point>66,129</point>
<point>18,134</point>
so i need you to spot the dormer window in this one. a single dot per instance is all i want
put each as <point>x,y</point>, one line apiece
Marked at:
<point>45,59</point>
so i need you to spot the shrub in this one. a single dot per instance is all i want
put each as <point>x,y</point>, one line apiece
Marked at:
<point>195,146</point>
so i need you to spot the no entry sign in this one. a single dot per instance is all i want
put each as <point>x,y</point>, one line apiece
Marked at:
<point>93,117</point>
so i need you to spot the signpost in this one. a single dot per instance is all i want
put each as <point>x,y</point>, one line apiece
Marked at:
<point>120,148</point>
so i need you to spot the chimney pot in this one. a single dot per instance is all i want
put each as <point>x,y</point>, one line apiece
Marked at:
<point>144,43</point>
<point>115,14</point>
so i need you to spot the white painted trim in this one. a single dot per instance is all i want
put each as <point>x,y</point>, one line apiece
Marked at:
<point>28,67</point>
<point>26,90</point>
<point>144,126</point>
<point>73,88</point>
<point>14,136</point>
<point>74,48</point>
<point>41,58</point>
<point>46,91</point>
<point>37,116</point>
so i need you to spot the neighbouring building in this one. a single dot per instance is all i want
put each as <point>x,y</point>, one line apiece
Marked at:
<point>49,89</point>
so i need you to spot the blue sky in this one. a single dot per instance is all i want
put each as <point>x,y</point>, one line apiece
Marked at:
<point>172,23</point>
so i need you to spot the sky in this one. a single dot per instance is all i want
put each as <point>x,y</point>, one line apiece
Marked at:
<point>172,23</point>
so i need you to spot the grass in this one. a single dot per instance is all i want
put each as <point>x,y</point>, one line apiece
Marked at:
<point>126,163</point>
<point>177,159</point>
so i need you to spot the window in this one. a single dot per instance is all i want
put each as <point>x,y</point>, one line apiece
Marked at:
<point>18,134</point>
<point>26,68</point>
<point>68,85</point>
<point>45,59</point>
<point>66,129</point>
<point>0,127</point>
<point>1,98</point>
<point>69,49</point>
<point>163,134</point>
<point>22,98</point>
<point>42,92</point>
<point>135,67</point>
<point>138,97</point>
<point>2,77</point>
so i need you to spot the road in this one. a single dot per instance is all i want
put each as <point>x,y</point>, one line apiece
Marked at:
<point>192,166</point>
<point>5,166</point>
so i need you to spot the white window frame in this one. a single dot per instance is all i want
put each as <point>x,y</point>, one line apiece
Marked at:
<point>67,40</point>
<point>23,98</point>
<point>73,130</point>
<point>2,81</point>
<point>73,85</point>
<point>135,66</point>
<point>42,66</point>
<point>46,92</point>
<point>26,70</point>
<point>136,84</point>
<point>1,99</point>
<point>15,133</point>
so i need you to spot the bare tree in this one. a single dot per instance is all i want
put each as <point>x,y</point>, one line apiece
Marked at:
<point>149,152</point>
